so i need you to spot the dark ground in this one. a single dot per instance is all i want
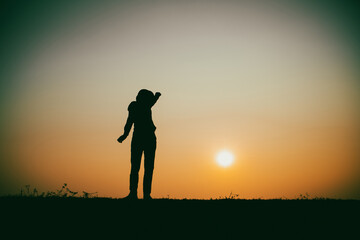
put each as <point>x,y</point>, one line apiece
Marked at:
<point>181,219</point>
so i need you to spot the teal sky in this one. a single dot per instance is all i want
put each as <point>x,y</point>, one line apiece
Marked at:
<point>276,82</point>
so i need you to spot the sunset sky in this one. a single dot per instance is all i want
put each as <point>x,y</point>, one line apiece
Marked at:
<point>276,83</point>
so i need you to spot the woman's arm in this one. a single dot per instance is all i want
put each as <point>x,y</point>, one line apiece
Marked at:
<point>129,123</point>
<point>156,97</point>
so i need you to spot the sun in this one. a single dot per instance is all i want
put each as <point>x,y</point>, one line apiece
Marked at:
<point>225,158</point>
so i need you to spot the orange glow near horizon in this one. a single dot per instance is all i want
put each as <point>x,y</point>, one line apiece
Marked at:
<point>274,88</point>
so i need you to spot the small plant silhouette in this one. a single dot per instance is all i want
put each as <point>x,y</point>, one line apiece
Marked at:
<point>28,192</point>
<point>89,195</point>
<point>231,196</point>
<point>303,197</point>
<point>63,192</point>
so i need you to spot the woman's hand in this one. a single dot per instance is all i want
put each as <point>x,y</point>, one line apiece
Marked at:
<point>121,138</point>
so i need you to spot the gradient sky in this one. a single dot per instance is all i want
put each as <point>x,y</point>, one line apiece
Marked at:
<point>274,82</point>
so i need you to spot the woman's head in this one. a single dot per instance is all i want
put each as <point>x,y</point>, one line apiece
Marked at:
<point>145,97</point>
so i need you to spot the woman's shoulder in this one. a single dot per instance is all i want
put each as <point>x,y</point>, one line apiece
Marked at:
<point>132,106</point>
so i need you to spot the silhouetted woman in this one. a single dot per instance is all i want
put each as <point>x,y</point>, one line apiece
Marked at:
<point>143,140</point>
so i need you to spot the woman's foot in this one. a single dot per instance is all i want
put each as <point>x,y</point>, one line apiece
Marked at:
<point>131,196</point>
<point>147,197</point>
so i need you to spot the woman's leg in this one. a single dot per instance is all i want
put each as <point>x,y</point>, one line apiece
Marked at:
<point>149,153</point>
<point>136,152</point>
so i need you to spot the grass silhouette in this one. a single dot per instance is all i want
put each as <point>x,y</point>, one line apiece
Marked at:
<point>227,217</point>
<point>65,192</point>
